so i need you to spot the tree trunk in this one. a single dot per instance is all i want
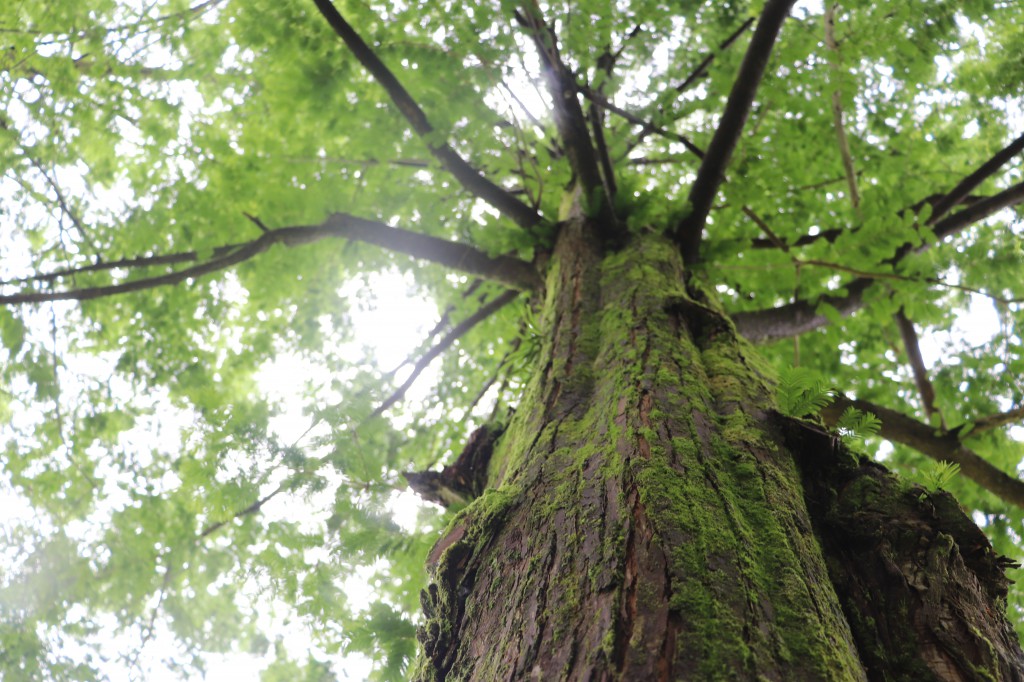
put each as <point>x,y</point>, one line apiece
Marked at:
<point>650,517</point>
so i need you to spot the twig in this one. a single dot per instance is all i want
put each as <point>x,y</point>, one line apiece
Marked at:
<point>698,72</point>
<point>251,509</point>
<point>689,230</point>
<point>451,337</point>
<point>701,69</point>
<point>470,178</point>
<point>257,222</point>
<point>606,103</point>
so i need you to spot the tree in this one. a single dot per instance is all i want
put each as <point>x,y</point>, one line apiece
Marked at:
<point>610,204</point>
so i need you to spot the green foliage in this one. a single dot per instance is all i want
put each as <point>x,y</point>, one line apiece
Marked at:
<point>802,392</point>
<point>151,472</point>
<point>857,425</point>
<point>941,475</point>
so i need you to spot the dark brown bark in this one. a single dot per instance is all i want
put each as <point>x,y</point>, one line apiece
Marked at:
<point>689,231</point>
<point>940,446</point>
<point>507,270</point>
<point>650,518</point>
<point>470,178</point>
<point>799,317</point>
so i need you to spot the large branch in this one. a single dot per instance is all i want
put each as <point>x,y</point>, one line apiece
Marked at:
<point>968,184</point>
<point>567,112</point>
<point>511,272</point>
<point>800,317</point>
<point>946,447</point>
<point>688,232</point>
<point>470,178</point>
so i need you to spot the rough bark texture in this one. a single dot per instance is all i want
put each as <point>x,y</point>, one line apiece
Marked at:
<point>649,517</point>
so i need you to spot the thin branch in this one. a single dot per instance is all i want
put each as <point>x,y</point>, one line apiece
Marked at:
<point>451,337</point>
<point>605,103</point>
<point>702,68</point>
<point>968,184</point>
<point>800,317</point>
<point>829,235</point>
<point>996,421</point>
<point>759,221</point>
<point>913,347</point>
<point>689,231</point>
<point>567,112</point>
<point>942,447</point>
<point>698,72</point>
<point>837,107</point>
<point>251,509</point>
<point>506,270</point>
<point>499,371</point>
<point>470,178</point>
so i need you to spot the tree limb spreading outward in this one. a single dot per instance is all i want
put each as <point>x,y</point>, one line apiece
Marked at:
<point>567,112</point>
<point>996,421</point>
<point>971,182</point>
<point>701,70</point>
<point>946,447</point>
<point>506,270</point>
<point>457,332</point>
<point>913,349</point>
<point>800,317</point>
<point>470,178</point>
<point>688,233</point>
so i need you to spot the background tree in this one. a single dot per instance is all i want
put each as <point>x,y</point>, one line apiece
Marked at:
<point>602,200</point>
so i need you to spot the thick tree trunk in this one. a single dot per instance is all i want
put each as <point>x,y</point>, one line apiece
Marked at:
<point>650,517</point>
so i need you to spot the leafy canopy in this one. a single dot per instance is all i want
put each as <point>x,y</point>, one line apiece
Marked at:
<point>158,493</point>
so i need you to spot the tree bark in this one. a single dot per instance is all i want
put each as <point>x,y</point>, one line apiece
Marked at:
<point>651,517</point>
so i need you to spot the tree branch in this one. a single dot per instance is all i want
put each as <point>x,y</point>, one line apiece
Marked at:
<point>701,69</point>
<point>605,103</point>
<point>251,509</point>
<point>947,447</point>
<point>509,271</point>
<point>968,184</point>
<point>451,337</point>
<point>996,421</point>
<point>698,72</point>
<point>688,232</point>
<point>470,178</point>
<point>837,107</point>
<point>567,112</point>
<point>924,385</point>
<point>799,317</point>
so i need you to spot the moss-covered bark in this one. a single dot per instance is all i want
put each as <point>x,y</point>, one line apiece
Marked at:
<point>646,516</point>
